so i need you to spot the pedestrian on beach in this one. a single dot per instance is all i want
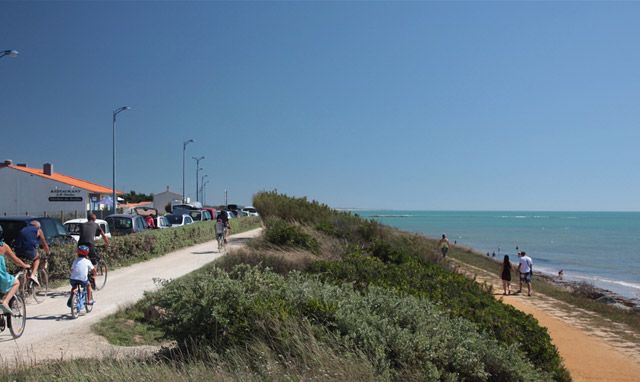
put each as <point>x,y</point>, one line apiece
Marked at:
<point>526,271</point>
<point>506,275</point>
<point>444,245</point>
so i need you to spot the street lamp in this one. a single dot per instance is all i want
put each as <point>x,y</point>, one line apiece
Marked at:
<point>184,149</point>
<point>202,183</point>
<point>10,53</point>
<point>204,188</point>
<point>115,113</point>
<point>198,159</point>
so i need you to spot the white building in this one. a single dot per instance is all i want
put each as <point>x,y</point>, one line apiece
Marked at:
<point>43,192</point>
<point>161,199</point>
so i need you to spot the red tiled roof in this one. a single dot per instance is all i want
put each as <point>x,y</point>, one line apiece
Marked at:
<point>85,185</point>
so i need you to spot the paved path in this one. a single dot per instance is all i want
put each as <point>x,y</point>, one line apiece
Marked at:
<point>51,333</point>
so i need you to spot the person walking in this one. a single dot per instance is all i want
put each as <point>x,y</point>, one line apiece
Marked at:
<point>444,245</point>
<point>506,275</point>
<point>526,271</point>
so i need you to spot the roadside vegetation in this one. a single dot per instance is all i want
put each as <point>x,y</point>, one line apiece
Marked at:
<point>129,249</point>
<point>327,295</point>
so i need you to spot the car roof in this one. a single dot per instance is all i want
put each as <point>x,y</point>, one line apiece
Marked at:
<point>83,221</point>
<point>121,216</point>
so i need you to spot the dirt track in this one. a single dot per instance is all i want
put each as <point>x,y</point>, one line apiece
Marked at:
<point>50,333</point>
<point>591,351</point>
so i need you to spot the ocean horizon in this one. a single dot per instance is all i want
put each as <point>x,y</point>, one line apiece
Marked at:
<point>598,247</point>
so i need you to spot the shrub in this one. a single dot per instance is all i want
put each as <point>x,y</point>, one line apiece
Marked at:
<point>403,337</point>
<point>283,233</point>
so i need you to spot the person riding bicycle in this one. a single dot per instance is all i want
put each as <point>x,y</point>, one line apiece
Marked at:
<point>225,220</point>
<point>27,243</point>
<point>8,283</point>
<point>88,233</point>
<point>80,270</point>
<point>220,229</point>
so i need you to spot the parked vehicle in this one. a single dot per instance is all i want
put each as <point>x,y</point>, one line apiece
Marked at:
<point>230,215</point>
<point>53,230</point>
<point>179,220</point>
<point>200,215</point>
<point>73,226</point>
<point>249,211</point>
<point>212,212</point>
<point>124,224</point>
<point>162,222</point>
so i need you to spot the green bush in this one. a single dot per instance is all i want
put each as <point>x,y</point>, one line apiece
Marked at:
<point>459,296</point>
<point>283,233</point>
<point>403,337</point>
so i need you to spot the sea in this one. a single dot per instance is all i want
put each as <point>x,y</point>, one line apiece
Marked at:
<point>601,248</point>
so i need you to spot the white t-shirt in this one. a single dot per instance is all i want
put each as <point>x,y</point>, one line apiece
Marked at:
<point>525,264</point>
<point>80,269</point>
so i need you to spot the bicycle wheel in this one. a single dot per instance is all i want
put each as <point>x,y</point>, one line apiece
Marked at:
<point>74,305</point>
<point>87,307</point>
<point>101,274</point>
<point>43,289</point>
<point>18,318</point>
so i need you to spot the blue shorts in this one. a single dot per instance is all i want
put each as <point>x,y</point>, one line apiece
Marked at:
<point>525,277</point>
<point>27,254</point>
<point>75,283</point>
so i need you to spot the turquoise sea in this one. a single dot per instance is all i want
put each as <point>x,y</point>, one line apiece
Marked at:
<point>602,248</point>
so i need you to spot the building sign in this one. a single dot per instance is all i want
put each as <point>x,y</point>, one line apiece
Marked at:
<point>68,195</point>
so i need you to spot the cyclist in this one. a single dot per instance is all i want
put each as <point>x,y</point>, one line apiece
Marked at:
<point>27,243</point>
<point>8,283</point>
<point>225,220</point>
<point>88,233</point>
<point>444,245</point>
<point>80,270</point>
<point>220,229</point>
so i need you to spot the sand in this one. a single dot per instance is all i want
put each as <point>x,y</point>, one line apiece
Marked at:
<point>590,351</point>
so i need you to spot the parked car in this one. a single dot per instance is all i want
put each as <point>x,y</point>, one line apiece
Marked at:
<point>162,222</point>
<point>124,224</point>
<point>249,211</point>
<point>73,226</point>
<point>230,215</point>
<point>179,220</point>
<point>199,216</point>
<point>53,230</point>
<point>212,212</point>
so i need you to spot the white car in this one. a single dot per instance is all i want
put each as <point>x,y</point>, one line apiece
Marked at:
<point>73,226</point>
<point>249,211</point>
<point>179,220</point>
<point>162,222</point>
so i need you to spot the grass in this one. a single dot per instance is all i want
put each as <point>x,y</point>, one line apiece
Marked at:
<point>540,285</point>
<point>127,328</point>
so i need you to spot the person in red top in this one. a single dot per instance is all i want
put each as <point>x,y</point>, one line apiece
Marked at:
<point>150,222</point>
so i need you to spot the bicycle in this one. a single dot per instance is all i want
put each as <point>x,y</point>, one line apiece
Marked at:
<point>17,319</point>
<point>221,242</point>
<point>38,291</point>
<point>100,278</point>
<point>78,300</point>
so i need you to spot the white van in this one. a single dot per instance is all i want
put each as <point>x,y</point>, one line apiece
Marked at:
<point>73,226</point>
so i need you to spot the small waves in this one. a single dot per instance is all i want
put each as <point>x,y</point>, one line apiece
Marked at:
<point>392,216</point>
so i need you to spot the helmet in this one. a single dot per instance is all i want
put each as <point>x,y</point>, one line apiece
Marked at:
<point>83,250</point>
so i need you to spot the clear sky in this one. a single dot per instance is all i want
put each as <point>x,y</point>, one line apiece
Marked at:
<point>420,105</point>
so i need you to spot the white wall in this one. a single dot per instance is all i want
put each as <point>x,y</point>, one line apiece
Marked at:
<point>160,200</point>
<point>23,193</point>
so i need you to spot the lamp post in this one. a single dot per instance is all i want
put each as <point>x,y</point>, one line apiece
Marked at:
<point>204,188</point>
<point>184,149</point>
<point>9,53</point>
<point>201,184</point>
<point>113,190</point>
<point>197,159</point>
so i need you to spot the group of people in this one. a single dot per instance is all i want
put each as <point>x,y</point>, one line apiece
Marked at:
<point>525,269</point>
<point>30,239</point>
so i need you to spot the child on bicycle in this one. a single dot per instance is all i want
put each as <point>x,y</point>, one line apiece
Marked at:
<point>80,270</point>
<point>8,283</point>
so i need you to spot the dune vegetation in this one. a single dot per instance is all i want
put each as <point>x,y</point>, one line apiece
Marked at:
<point>325,295</point>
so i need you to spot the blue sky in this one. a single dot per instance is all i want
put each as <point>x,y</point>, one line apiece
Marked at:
<point>420,105</point>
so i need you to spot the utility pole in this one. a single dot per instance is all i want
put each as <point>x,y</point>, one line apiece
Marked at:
<point>226,202</point>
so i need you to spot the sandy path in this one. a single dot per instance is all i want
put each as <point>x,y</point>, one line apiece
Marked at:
<point>590,353</point>
<point>50,333</point>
